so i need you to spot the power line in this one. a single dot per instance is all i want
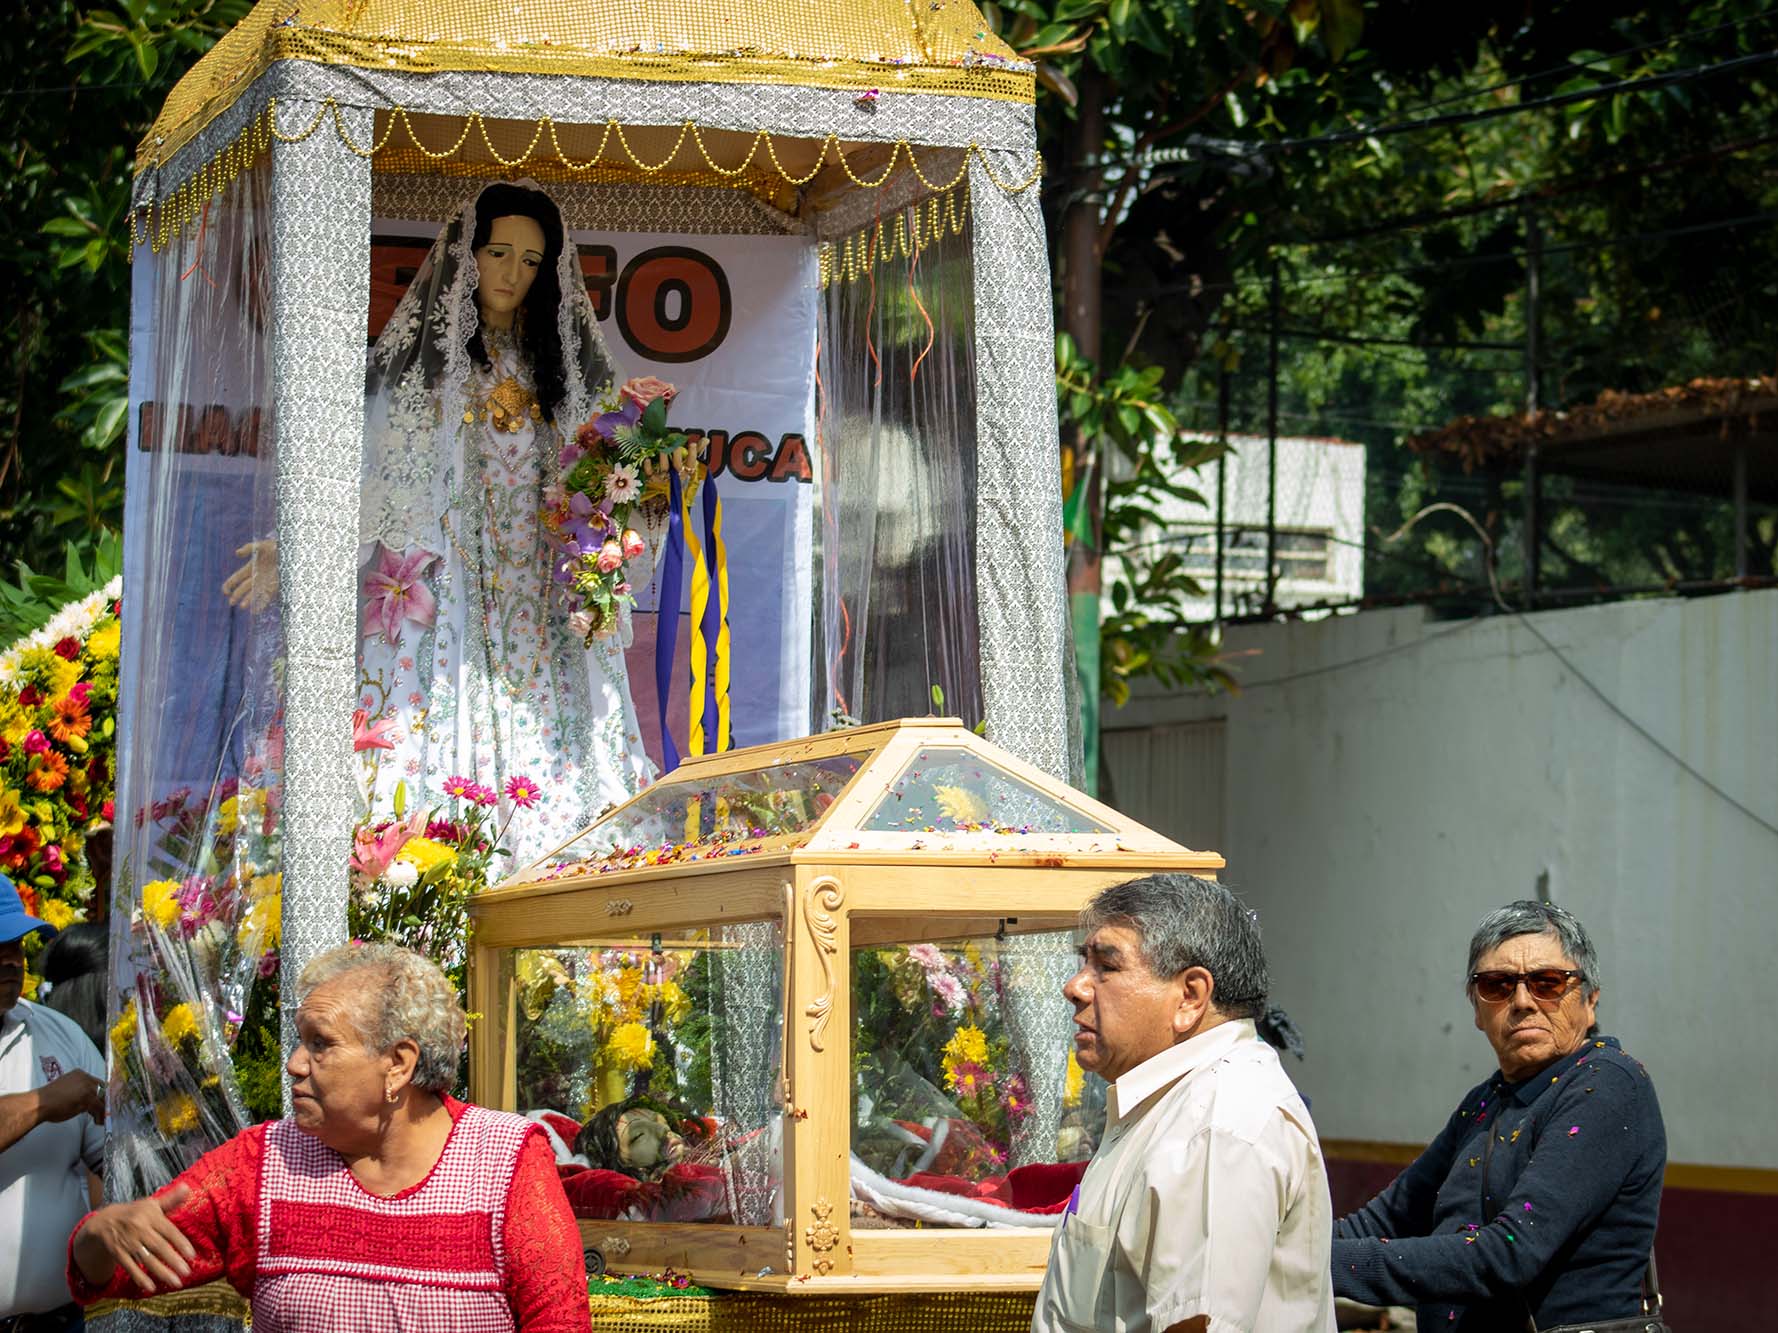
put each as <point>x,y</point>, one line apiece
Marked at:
<point>1573,65</point>
<point>1536,194</point>
<point>1461,261</point>
<point>1645,83</point>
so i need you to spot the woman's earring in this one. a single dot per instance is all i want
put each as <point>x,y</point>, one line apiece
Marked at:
<point>391,1096</point>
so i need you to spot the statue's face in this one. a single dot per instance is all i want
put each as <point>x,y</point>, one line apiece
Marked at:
<point>645,1142</point>
<point>507,266</point>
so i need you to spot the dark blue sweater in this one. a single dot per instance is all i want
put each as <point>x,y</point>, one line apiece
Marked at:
<point>1571,1158</point>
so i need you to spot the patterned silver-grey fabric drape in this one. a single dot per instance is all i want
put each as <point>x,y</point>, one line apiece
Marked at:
<point>320,295</point>
<point>934,119</point>
<point>1022,597</point>
<point>1033,970</point>
<point>744,1062</point>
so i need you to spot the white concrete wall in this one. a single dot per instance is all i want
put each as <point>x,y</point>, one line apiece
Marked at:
<point>1374,812</point>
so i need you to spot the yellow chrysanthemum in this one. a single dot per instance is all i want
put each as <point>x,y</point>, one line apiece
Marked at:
<point>179,1025</point>
<point>38,661</point>
<point>57,913</point>
<point>675,1003</point>
<point>32,981</point>
<point>102,644</point>
<point>961,805</point>
<point>631,1047</point>
<point>967,1046</point>
<point>63,676</point>
<point>123,1032</point>
<point>176,1115</point>
<point>261,929</point>
<point>264,886</point>
<point>228,817</point>
<point>12,812</point>
<point>160,903</point>
<point>1075,1082</point>
<point>425,855</point>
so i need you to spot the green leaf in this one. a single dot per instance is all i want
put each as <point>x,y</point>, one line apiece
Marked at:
<point>108,425</point>
<point>1342,25</point>
<point>654,416</point>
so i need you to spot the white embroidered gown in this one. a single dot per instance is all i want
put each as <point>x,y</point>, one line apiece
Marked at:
<point>497,686</point>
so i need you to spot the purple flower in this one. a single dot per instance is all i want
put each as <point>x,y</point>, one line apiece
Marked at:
<point>627,415</point>
<point>585,524</point>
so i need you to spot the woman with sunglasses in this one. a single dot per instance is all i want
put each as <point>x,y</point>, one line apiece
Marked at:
<point>1534,1208</point>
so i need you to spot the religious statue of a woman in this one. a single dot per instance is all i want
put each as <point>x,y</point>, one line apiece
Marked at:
<point>490,362</point>
<point>469,665</point>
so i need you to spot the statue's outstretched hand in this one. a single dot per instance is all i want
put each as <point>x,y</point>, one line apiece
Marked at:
<point>254,586</point>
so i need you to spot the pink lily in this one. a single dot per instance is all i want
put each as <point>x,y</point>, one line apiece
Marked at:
<point>368,735</point>
<point>373,849</point>
<point>394,592</point>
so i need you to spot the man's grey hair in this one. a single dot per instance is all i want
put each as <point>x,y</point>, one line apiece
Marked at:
<point>397,995</point>
<point>1526,917</point>
<point>1184,921</point>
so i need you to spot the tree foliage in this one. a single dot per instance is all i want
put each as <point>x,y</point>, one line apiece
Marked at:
<point>85,85</point>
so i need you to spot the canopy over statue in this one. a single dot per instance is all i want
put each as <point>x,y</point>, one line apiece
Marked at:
<point>819,223</point>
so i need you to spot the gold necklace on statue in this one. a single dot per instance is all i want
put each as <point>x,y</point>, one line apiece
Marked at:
<point>509,404</point>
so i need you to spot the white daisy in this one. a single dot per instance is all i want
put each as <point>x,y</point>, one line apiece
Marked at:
<point>621,486</point>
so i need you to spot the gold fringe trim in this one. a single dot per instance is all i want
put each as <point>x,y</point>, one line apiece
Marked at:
<point>854,256</point>
<point>157,223</point>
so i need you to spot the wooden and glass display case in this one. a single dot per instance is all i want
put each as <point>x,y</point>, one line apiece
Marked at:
<point>794,1012</point>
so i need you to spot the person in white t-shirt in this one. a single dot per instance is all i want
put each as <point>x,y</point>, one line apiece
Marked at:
<point>1206,1207</point>
<point>52,1103</point>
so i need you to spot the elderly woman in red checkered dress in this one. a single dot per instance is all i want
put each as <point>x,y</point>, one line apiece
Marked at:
<point>381,1202</point>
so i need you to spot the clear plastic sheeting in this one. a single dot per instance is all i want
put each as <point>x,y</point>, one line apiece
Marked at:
<point>897,444</point>
<point>196,891</point>
<point>655,1063</point>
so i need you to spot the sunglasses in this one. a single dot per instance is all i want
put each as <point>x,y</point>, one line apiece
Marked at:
<point>1546,983</point>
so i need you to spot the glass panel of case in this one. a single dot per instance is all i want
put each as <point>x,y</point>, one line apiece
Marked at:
<point>657,1062</point>
<point>722,814</point>
<point>968,1106</point>
<point>947,789</point>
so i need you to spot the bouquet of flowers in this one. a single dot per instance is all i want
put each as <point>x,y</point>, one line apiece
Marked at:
<point>58,735</point>
<point>412,875</point>
<point>615,475</point>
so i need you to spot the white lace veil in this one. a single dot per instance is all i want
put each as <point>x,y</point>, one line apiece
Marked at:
<point>417,386</point>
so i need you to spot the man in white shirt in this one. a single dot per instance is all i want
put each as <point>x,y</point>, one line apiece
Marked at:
<point>52,1101</point>
<point>1205,1208</point>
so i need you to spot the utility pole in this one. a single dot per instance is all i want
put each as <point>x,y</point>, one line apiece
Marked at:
<point>1222,472</point>
<point>1272,444</point>
<point>1533,482</point>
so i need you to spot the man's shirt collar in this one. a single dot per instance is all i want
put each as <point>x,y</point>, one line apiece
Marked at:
<point>1174,1063</point>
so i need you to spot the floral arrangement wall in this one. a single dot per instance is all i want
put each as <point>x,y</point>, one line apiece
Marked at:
<point>58,741</point>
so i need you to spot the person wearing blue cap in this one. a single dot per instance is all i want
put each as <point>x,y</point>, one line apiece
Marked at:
<point>52,1103</point>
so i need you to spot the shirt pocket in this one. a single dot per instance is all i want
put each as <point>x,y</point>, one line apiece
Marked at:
<point>1076,1292</point>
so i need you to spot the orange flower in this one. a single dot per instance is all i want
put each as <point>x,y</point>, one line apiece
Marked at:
<point>70,719</point>
<point>49,772</point>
